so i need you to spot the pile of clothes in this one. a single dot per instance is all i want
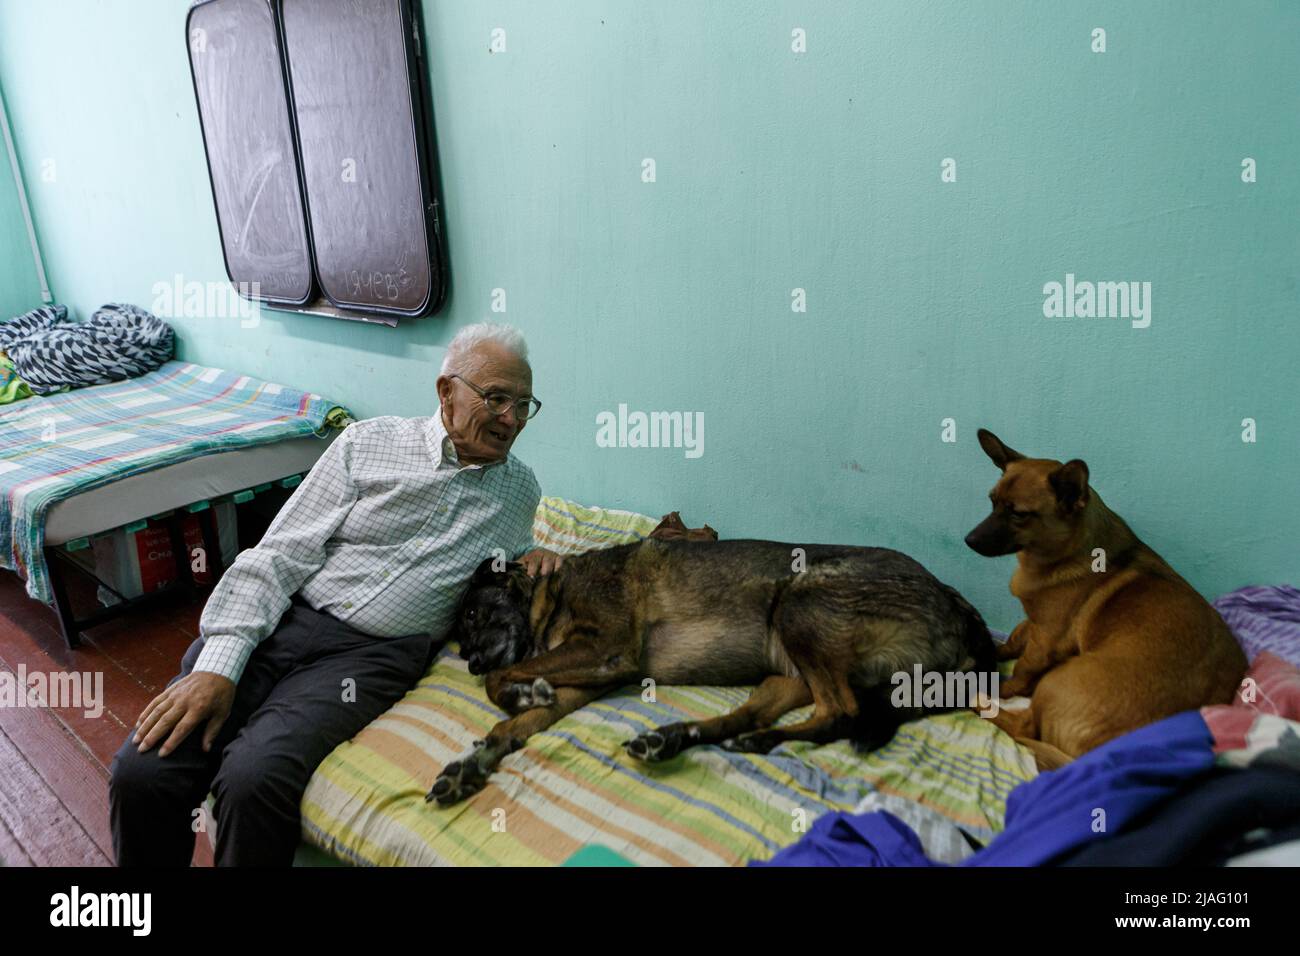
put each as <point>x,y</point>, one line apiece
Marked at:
<point>41,352</point>
<point>1215,786</point>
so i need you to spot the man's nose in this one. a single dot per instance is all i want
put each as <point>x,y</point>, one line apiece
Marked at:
<point>509,419</point>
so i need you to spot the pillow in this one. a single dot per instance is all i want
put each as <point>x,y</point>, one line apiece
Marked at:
<point>570,528</point>
<point>37,320</point>
<point>119,342</point>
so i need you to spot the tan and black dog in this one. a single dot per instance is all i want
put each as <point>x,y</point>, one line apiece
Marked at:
<point>820,624</point>
<point>1113,639</point>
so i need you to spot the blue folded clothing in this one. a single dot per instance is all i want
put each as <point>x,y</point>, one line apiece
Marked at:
<point>1048,818</point>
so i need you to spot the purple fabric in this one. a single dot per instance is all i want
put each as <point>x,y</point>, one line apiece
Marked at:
<point>1264,619</point>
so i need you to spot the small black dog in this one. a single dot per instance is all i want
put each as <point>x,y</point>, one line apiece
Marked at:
<point>821,624</point>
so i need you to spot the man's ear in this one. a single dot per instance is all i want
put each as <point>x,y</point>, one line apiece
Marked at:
<point>1070,482</point>
<point>443,385</point>
<point>998,452</point>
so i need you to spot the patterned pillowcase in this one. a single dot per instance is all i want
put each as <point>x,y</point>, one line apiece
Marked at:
<point>37,320</point>
<point>571,528</point>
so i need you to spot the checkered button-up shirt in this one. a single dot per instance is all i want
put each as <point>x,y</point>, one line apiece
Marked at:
<point>383,533</point>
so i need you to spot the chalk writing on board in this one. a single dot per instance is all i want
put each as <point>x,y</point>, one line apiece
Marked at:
<point>281,280</point>
<point>378,285</point>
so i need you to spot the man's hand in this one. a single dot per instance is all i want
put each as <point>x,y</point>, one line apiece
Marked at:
<point>539,561</point>
<point>197,698</point>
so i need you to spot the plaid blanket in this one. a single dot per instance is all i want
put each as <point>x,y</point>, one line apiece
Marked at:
<point>56,446</point>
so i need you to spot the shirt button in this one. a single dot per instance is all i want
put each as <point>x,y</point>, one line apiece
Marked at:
<point>442,509</point>
<point>384,575</point>
<point>347,605</point>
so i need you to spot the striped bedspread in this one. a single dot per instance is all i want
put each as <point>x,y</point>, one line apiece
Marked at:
<point>573,785</point>
<point>55,446</point>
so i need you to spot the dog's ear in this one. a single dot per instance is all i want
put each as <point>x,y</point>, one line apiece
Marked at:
<point>489,573</point>
<point>1070,482</point>
<point>518,583</point>
<point>997,451</point>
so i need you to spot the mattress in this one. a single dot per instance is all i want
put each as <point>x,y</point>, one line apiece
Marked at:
<point>574,786</point>
<point>151,493</point>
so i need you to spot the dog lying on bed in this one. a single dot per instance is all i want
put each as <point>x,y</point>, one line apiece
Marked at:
<point>1113,639</point>
<point>831,633</point>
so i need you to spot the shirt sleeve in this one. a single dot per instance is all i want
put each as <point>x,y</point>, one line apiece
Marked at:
<point>254,592</point>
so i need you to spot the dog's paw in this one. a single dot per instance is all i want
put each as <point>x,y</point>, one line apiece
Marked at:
<point>522,696</point>
<point>458,781</point>
<point>759,742</point>
<point>1011,687</point>
<point>663,743</point>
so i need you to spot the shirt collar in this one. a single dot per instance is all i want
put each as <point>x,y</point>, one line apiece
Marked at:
<point>442,449</point>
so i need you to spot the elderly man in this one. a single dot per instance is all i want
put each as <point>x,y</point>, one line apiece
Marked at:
<point>334,615</point>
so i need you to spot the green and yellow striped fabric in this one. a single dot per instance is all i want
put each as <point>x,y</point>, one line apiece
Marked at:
<point>571,528</point>
<point>574,785</point>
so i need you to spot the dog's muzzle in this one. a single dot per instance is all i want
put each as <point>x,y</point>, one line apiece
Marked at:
<point>992,537</point>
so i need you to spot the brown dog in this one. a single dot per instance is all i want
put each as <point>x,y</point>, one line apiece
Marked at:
<point>1113,639</point>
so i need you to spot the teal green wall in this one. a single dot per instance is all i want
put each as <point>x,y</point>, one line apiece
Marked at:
<point>775,171</point>
<point>20,289</point>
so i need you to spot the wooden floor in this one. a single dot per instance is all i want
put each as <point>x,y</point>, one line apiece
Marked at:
<point>54,762</point>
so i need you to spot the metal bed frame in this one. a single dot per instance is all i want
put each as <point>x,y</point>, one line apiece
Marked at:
<point>59,560</point>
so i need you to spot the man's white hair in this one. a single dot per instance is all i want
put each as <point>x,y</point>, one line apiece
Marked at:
<point>458,359</point>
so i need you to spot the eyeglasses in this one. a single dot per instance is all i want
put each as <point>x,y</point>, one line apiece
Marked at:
<point>498,402</point>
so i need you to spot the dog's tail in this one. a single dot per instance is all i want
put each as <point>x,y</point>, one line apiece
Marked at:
<point>879,714</point>
<point>878,719</point>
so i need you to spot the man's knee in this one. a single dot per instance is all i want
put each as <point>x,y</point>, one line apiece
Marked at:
<point>132,774</point>
<point>146,779</point>
<point>258,783</point>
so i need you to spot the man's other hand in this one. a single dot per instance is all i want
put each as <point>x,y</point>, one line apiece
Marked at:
<point>539,561</point>
<point>199,697</point>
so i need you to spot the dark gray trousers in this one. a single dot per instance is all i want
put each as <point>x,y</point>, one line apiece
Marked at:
<point>292,707</point>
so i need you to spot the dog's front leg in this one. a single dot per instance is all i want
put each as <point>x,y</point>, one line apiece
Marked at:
<point>516,692</point>
<point>1040,656</point>
<point>1015,643</point>
<point>469,774</point>
<point>580,663</point>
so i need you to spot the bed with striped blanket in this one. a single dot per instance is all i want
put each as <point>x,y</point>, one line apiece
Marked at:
<point>573,786</point>
<point>56,446</point>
